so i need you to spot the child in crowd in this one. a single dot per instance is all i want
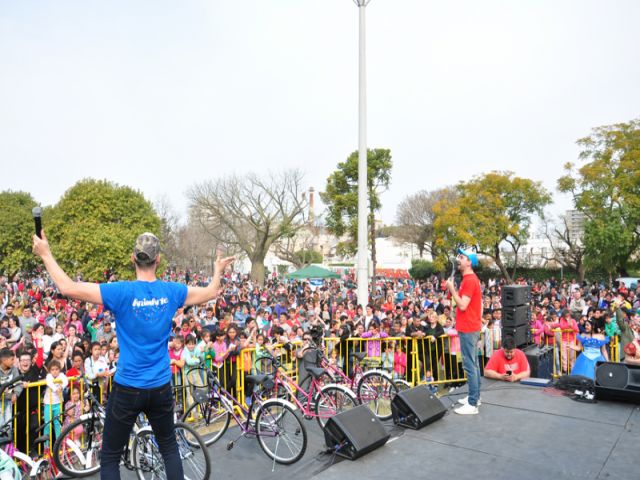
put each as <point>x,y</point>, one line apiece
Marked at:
<point>399,362</point>
<point>176,359</point>
<point>387,356</point>
<point>56,382</point>
<point>73,411</point>
<point>96,368</point>
<point>8,372</point>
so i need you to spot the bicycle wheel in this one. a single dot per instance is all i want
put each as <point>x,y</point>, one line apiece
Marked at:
<point>76,452</point>
<point>280,432</point>
<point>44,472</point>
<point>148,462</point>
<point>146,457</point>
<point>376,390</point>
<point>210,420</point>
<point>331,400</point>
<point>401,384</point>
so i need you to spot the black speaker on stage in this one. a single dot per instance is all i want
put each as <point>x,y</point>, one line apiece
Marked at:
<point>540,360</point>
<point>521,334</point>
<point>618,381</point>
<point>355,432</point>
<point>516,316</point>
<point>416,408</point>
<point>514,295</point>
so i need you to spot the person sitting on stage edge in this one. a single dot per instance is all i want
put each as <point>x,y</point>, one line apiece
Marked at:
<point>509,364</point>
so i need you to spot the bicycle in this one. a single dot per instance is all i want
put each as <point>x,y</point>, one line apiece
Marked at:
<point>76,451</point>
<point>38,468</point>
<point>320,400</point>
<point>373,387</point>
<point>275,421</point>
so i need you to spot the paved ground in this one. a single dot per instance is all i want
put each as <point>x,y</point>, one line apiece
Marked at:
<point>521,432</point>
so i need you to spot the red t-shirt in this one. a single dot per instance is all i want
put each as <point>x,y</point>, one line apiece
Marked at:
<point>470,320</point>
<point>499,363</point>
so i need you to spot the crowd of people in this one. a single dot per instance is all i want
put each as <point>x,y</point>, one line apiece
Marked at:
<point>45,336</point>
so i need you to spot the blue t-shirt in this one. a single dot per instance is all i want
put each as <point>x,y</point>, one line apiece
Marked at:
<point>145,316</point>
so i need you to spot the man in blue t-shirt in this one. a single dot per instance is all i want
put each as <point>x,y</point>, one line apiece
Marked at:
<point>144,309</point>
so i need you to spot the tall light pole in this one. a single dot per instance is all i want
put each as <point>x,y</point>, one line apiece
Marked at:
<point>363,244</point>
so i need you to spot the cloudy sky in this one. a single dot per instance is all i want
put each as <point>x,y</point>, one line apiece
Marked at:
<point>161,94</point>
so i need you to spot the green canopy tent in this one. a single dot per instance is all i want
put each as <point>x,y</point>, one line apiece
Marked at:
<point>312,271</point>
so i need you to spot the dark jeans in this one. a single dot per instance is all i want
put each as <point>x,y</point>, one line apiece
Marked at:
<point>123,407</point>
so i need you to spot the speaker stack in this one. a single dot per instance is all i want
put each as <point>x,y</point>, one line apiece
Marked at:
<point>618,381</point>
<point>516,313</point>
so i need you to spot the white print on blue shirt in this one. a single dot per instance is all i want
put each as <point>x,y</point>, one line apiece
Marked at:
<point>154,302</point>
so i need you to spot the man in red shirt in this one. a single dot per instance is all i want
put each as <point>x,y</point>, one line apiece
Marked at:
<point>509,363</point>
<point>468,302</point>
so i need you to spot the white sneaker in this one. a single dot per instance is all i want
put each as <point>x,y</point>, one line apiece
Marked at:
<point>465,401</point>
<point>466,410</point>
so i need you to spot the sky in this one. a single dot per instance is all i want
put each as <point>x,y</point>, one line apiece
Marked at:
<point>159,95</point>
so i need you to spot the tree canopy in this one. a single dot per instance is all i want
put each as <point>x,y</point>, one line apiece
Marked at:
<point>341,198</point>
<point>92,229</point>
<point>16,232</point>
<point>489,210</point>
<point>606,188</point>
<point>415,218</point>
<point>251,212</point>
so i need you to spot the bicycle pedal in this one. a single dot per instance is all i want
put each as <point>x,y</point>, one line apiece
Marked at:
<point>308,417</point>
<point>230,445</point>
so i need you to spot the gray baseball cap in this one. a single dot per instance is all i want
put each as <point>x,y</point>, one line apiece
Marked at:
<point>147,248</point>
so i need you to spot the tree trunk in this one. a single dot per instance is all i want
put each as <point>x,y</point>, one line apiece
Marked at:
<point>502,267</point>
<point>581,272</point>
<point>257,269</point>
<point>420,249</point>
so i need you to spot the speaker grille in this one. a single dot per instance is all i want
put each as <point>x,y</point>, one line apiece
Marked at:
<point>612,375</point>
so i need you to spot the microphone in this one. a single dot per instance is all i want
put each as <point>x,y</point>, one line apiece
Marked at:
<point>37,218</point>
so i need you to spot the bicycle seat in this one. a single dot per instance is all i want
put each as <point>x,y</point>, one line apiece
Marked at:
<point>358,355</point>
<point>41,439</point>
<point>315,371</point>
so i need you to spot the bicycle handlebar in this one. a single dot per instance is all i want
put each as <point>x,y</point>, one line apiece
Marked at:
<point>11,382</point>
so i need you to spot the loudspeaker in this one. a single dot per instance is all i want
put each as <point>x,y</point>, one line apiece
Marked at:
<point>521,334</point>
<point>618,381</point>
<point>355,432</point>
<point>416,408</point>
<point>514,295</point>
<point>540,361</point>
<point>516,316</point>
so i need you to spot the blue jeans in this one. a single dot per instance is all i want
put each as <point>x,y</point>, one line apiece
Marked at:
<point>469,348</point>
<point>123,407</point>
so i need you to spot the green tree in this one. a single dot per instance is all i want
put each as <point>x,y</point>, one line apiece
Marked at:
<point>489,211</point>
<point>606,188</point>
<point>421,269</point>
<point>341,198</point>
<point>16,232</point>
<point>93,228</point>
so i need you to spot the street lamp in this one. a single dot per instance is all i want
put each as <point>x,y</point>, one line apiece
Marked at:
<point>363,250</point>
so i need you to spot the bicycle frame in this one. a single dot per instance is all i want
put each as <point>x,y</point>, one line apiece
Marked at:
<point>230,402</point>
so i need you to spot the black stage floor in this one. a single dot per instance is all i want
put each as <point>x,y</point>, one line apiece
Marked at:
<point>521,432</point>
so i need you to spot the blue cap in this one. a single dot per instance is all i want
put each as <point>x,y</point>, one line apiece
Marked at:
<point>473,258</point>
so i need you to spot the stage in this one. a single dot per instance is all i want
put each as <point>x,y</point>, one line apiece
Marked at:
<point>521,432</point>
